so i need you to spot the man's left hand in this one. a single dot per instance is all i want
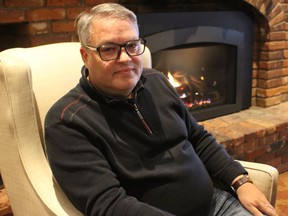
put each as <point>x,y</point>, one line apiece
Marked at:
<point>254,200</point>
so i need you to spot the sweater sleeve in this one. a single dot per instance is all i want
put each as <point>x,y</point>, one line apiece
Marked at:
<point>86,177</point>
<point>217,161</point>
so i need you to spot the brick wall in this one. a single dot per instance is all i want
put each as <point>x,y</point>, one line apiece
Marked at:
<point>271,63</point>
<point>42,21</point>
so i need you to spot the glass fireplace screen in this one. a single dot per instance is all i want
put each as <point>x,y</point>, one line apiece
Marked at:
<point>204,75</point>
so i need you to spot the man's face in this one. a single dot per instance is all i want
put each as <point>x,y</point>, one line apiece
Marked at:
<point>118,77</point>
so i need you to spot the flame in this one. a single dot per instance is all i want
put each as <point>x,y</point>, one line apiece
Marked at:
<point>184,93</point>
<point>172,80</point>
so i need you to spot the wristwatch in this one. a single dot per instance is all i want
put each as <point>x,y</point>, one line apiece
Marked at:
<point>244,179</point>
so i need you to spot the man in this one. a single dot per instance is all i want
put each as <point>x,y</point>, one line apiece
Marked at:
<point>122,143</point>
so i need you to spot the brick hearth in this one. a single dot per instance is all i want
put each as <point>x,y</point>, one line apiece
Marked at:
<point>257,134</point>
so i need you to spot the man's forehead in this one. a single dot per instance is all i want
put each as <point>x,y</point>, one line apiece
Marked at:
<point>103,33</point>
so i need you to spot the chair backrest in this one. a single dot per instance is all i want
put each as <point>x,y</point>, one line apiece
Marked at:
<point>31,80</point>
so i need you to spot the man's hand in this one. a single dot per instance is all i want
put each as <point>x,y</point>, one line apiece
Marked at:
<point>254,200</point>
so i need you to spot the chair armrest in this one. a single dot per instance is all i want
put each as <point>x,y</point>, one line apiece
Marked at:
<point>265,177</point>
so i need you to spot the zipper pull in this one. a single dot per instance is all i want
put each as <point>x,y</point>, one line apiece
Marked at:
<point>139,114</point>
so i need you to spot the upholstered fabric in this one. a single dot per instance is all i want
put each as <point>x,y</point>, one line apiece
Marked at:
<point>24,169</point>
<point>31,80</point>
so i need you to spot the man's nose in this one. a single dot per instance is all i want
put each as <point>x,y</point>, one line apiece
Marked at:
<point>124,56</point>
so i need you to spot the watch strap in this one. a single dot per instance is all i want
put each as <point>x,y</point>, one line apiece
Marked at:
<point>244,179</point>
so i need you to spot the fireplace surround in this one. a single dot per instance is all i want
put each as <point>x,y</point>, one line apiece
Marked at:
<point>215,46</point>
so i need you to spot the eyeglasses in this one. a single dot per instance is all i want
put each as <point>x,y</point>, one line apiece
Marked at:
<point>108,52</point>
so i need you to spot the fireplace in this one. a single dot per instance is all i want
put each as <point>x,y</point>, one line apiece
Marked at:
<point>207,56</point>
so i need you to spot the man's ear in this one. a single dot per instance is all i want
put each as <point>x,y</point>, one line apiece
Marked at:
<point>84,55</point>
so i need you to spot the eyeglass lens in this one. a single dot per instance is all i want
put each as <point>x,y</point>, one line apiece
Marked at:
<point>112,51</point>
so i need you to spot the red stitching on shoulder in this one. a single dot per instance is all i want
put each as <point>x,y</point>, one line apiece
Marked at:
<point>69,105</point>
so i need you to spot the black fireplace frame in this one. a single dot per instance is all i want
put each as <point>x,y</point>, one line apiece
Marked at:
<point>168,30</point>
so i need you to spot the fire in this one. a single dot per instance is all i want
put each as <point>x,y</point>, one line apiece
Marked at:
<point>172,80</point>
<point>186,90</point>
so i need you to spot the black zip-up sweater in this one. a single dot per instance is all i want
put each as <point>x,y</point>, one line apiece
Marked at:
<point>142,156</point>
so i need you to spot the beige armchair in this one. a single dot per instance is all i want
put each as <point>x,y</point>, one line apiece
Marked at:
<point>31,80</point>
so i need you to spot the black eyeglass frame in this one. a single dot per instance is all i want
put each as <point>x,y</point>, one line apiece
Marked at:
<point>96,49</point>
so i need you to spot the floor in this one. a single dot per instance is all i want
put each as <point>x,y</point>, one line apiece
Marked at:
<point>282,195</point>
<point>281,203</point>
